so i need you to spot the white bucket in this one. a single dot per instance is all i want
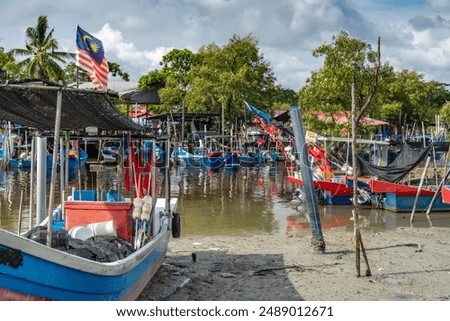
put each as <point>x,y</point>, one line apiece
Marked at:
<point>81,232</point>
<point>103,228</point>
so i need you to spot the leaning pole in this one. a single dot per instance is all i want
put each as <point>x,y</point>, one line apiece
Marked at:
<point>301,147</point>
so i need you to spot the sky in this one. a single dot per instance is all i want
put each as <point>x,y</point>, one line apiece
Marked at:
<point>415,34</point>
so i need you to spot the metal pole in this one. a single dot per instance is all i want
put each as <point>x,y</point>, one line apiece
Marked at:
<point>153,213</point>
<point>62,156</point>
<point>167,176</point>
<point>41,178</point>
<point>66,162</point>
<point>305,168</point>
<point>183,115</point>
<point>32,174</point>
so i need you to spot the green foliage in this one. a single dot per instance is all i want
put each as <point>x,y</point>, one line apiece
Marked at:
<point>444,113</point>
<point>5,59</point>
<point>215,78</point>
<point>153,78</point>
<point>405,95</point>
<point>227,76</point>
<point>400,95</point>
<point>115,70</point>
<point>43,60</point>
<point>70,72</point>
<point>346,60</point>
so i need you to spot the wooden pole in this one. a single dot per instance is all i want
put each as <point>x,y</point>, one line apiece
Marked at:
<point>359,246</point>
<point>436,194</point>
<point>419,189</point>
<point>19,227</point>
<point>53,178</point>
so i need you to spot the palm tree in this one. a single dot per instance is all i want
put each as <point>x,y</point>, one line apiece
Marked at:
<point>43,58</point>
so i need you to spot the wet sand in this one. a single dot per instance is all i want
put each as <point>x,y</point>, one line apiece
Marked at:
<point>407,264</point>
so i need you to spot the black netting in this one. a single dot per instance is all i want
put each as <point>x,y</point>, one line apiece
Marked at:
<point>408,158</point>
<point>36,107</point>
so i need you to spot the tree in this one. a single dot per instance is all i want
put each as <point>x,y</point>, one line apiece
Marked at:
<point>284,98</point>
<point>43,61</point>
<point>225,77</point>
<point>70,72</point>
<point>115,70</point>
<point>5,59</point>
<point>405,98</point>
<point>173,79</point>
<point>215,78</point>
<point>347,60</point>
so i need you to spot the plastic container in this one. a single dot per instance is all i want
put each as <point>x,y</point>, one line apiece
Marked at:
<point>86,212</point>
<point>103,228</point>
<point>81,232</point>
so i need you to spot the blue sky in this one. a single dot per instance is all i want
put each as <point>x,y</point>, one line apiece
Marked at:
<point>415,34</point>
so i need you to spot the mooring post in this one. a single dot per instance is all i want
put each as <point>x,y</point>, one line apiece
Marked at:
<point>317,240</point>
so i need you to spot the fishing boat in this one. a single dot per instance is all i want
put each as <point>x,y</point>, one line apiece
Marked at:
<point>401,198</point>
<point>76,159</point>
<point>101,248</point>
<point>93,246</point>
<point>184,158</point>
<point>30,270</point>
<point>332,191</point>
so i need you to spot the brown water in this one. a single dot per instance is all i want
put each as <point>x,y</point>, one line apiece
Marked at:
<point>232,202</point>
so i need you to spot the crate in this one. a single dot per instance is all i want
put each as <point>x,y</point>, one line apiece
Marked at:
<point>86,212</point>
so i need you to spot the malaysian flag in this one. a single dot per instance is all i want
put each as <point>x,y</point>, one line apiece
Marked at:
<point>91,57</point>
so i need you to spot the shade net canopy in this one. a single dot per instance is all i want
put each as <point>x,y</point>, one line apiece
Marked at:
<point>35,107</point>
<point>408,159</point>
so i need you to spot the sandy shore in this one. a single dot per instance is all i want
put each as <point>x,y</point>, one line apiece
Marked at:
<point>409,264</point>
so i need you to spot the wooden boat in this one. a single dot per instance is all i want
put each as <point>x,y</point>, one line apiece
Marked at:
<point>184,158</point>
<point>401,198</point>
<point>102,248</point>
<point>30,270</point>
<point>334,193</point>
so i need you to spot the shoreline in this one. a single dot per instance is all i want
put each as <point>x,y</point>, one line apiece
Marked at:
<point>407,264</point>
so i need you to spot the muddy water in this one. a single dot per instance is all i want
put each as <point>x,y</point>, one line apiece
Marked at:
<point>227,202</point>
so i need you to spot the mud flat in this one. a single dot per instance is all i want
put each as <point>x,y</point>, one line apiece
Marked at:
<point>407,264</point>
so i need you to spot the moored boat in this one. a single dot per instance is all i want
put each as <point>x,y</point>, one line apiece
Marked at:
<point>85,260</point>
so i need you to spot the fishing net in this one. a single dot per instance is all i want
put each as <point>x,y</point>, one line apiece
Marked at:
<point>408,159</point>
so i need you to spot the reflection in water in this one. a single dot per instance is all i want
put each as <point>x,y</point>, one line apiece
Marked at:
<point>226,201</point>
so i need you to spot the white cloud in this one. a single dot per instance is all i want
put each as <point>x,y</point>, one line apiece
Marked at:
<point>136,34</point>
<point>128,52</point>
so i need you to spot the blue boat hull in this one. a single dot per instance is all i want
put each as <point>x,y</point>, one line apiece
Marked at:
<point>400,203</point>
<point>57,275</point>
<point>329,199</point>
<point>26,163</point>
